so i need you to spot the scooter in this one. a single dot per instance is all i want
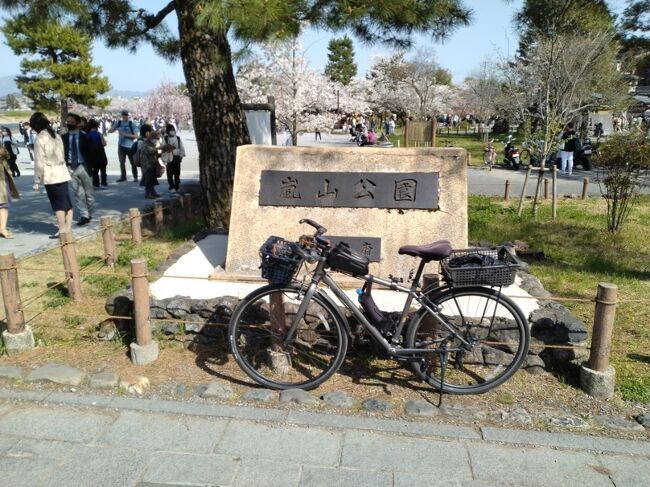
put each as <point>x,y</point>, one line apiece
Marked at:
<point>511,155</point>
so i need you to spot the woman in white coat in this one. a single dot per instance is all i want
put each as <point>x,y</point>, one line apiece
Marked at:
<point>50,169</point>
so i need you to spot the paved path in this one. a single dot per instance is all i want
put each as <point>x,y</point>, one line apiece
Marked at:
<point>32,221</point>
<point>65,439</point>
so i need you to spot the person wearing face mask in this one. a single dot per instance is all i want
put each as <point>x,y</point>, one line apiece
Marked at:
<point>12,149</point>
<point>78,157</point>
<point>172,157</point>
<point>146,157</point>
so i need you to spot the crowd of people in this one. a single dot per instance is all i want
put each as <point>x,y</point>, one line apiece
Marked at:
<point>74,161</point>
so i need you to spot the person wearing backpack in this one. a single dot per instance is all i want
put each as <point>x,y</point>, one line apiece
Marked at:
<point>12,148</point>
<point>172,157</point>
<point>128,134</point>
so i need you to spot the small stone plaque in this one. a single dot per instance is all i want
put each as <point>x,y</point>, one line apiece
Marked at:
<point>368,246</point>
<point>415,190</point>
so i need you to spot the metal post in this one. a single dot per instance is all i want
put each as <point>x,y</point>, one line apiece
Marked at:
<point>545,188</point>
<point>110,249</point>
<point>136,225</point>
<point>601,340</point>
<point>554,193</point>
<point>506,195</point>
<point>71,265</point>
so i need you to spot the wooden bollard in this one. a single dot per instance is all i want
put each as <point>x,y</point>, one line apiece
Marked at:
<point>136,225</point>
<point>71,265</point>
<point>585,187</point>
<point>110,249</point>
<point>159,216</point>
<point>172,211</point>
<point>554,193</point>
<point>506,194</point>
<point>545,188</point>
<point>601,340</point>
<point>11,294</point>
<point>145,350</point>
<point>187,205</point>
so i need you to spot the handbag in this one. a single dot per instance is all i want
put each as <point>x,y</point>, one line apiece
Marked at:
<point>160,169</point>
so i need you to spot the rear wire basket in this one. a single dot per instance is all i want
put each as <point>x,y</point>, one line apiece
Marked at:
<point>500,274</point>
<point>279,260</point>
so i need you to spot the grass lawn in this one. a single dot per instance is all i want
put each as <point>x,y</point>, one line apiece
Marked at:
<point>580,253</point>
<point>473,143</point>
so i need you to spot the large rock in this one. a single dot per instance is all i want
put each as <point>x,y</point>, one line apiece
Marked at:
<point>120,303</point>
<point>553,323</point>
<point>179,306</point>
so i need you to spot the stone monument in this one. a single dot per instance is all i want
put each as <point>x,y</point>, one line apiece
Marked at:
<point>377,199</point>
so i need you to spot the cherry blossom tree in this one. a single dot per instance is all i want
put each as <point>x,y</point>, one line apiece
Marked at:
<point>305,99</point>
<point>167,100</point>
<point>409,87</point>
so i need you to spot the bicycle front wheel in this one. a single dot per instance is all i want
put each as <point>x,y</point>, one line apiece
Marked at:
<point>491,322</point>
<point>258,329</point>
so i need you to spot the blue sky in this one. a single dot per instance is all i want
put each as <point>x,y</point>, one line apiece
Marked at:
<point>490,33</point>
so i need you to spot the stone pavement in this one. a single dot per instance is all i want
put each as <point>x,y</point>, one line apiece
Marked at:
<point>65,439</point>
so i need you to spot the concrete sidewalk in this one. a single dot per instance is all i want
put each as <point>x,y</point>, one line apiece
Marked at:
<point>65,439</point>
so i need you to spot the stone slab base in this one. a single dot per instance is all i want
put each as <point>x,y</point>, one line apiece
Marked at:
<point>598,384</point>
<point>145,354</point>
<point>18,342</point>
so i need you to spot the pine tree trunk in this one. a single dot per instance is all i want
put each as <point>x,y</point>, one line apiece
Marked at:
<point>219,121</point>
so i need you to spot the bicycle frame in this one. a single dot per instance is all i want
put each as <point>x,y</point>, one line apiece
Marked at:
<point>320,275</point>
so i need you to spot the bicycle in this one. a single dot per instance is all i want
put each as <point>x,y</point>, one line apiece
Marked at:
<point>464,337</point>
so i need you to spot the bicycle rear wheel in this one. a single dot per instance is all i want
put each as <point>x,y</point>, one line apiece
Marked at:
<point>492,322</point>
<point>258,329</point>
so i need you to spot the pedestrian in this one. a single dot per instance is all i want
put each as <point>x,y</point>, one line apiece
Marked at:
<point>51,171</point>
<point>8,190</point>
<point>77,153</point>
<point>172,156</point>
<point>317,135</point>
<point>570,141</point>
<point>146,156</point>
<point>98,159</point>
<point>12,149</point>
<point>127,132</point>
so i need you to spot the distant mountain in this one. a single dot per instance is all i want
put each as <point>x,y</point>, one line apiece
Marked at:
<point>8,85</point>
<point>125,94</point>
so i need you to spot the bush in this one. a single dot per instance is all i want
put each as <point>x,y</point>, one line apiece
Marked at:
<point>622,160</point>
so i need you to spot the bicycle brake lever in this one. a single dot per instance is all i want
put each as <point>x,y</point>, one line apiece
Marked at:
<point>320,229</point>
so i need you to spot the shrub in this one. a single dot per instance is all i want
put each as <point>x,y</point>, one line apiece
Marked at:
<point>622,160</point>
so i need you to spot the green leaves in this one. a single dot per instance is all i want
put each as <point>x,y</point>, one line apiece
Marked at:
<point>341,66</point>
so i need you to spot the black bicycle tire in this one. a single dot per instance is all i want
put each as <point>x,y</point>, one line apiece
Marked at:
<point>253,373</point>
<point>520,357</point>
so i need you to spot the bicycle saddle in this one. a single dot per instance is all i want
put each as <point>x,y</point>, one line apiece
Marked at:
<point>434,251</point>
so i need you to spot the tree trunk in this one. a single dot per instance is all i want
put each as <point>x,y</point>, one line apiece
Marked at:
<point>219,121</point>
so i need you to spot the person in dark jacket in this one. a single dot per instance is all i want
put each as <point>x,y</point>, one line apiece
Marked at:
<point>12,149</point>
<point>570,141</point>
<point>98,159</point>
<point>78,157</point>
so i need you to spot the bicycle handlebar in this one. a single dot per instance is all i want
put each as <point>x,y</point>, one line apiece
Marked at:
<point>320,229</point>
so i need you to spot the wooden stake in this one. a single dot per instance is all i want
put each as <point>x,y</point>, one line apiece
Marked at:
<point>11,294</point>
<point>538,190</point>
<point>585,188</point>
<point>110,249</point>
<point>172,211</point>
<point>71,265</point>
<point>140,286</point>
<point>545,188</point>
<point>601,339</point>
<point>136,225</point>
<point>506,195</point>
<point>159,216</point>
<point>523,191</point>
